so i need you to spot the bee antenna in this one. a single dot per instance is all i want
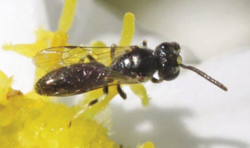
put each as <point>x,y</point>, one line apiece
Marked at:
<point>205,76</point>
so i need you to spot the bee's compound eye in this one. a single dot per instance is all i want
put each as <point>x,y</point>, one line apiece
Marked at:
<point>169,48</point>
<point>176,46</point>
<point>164,46</point>
<point>169,73</point>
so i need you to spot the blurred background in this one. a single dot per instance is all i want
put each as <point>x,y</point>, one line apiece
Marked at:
<point>188,112</point>
<point>206,27</point>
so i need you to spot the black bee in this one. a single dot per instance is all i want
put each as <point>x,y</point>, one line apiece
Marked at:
<point>92,69</point>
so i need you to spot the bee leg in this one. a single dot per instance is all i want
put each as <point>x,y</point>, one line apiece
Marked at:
<point>106,90</point>
<point>91,58</point>
<point>144,43</point>
<point>112,52</point>
<point>93,102</point>
<point>121,92</point>
<point>155,80</point>
<point>82,111</point>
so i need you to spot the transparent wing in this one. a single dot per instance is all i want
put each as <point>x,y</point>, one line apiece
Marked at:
<point>56,57</point>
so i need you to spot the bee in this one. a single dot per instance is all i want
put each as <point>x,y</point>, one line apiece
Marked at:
<point>101,67</point>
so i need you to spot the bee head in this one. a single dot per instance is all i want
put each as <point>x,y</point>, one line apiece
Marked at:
<point>169,60</point>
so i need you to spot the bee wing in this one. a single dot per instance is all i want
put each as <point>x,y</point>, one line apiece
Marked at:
<point>55,57</point>
<point>117,77</point>
<point>110,78</point>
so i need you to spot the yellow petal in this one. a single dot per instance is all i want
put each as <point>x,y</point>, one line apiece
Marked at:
<point>28,50</point>
<point>147,145</point>
<point>67,15</point>
<point>43,39</point>
<point>7,114</point>
<point>4,88</point>
<point>141,92</point>
<point>128,29</point>
<point>59,39</point>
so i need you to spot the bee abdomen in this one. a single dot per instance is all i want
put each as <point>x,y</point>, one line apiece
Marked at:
<point>72,80</point>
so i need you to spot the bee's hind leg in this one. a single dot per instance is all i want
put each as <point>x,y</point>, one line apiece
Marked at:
<point>121,92</point>
<point>80,112</point>
<point>106,90</point>
<point>91,103</point>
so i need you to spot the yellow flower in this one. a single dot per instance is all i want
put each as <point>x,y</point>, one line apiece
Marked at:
<point>4,88</point>
<point>147,145</point>
<point>31,120</point>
